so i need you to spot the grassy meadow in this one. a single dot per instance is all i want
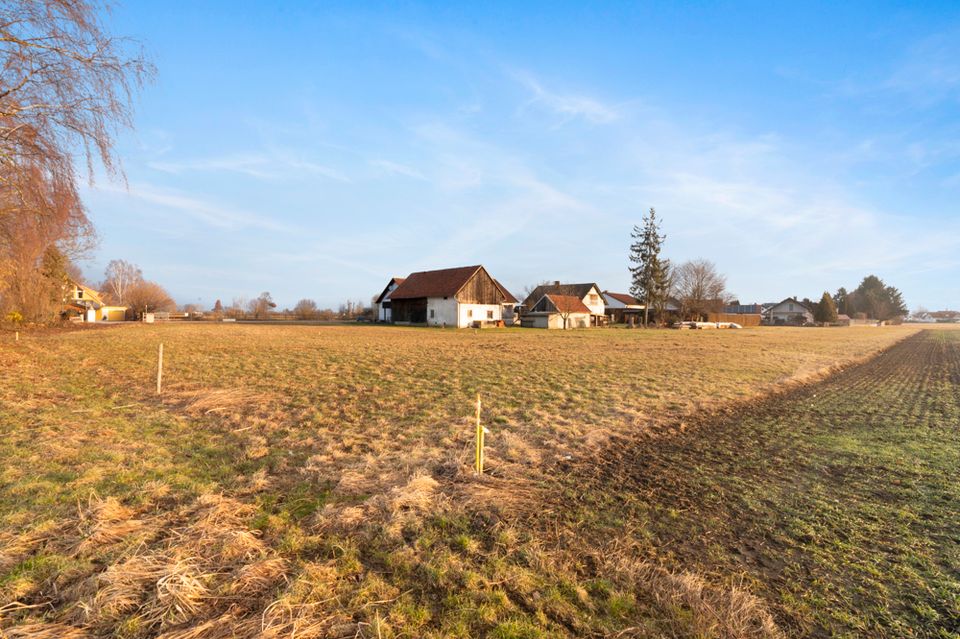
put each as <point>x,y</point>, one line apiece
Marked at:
<point>316,482</point>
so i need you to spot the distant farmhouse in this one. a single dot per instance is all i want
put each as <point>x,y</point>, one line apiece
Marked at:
<point>83,304</point>
<point>945,317</point>
<point>789,312</point>
<point>461,297</point>
<point>564,306</point>
<point>621,308</point>
<point>381,306</point>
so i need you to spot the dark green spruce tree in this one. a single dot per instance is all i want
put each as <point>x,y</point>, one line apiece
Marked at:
<point>825,311</point>
<point>650,276</point>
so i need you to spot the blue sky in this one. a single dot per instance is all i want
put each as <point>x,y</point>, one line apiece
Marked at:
<point>316,149</point>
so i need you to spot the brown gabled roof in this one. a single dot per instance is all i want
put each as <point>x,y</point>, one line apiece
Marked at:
<point>567,303</point>
<point>795,301</point>
<point>508,297</point>
<point>386,289</point>
<point>443,283</point>
<point>629,300</point>
<point>574,290</point>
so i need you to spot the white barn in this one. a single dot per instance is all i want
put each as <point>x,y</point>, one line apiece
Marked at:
<point>461,297</point>
<point>381,306</point>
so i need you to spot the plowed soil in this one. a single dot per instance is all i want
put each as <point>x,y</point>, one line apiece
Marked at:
<point>837,503</point>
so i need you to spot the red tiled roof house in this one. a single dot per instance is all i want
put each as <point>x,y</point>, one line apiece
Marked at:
<point>564,306</point>
<point>462,297</point>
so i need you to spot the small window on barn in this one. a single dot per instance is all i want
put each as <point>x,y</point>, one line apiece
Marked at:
<point>593,298</point>
<point>489,314</point>
<point>470,313</point>
<point>791,307</point>
<point>432,313</point>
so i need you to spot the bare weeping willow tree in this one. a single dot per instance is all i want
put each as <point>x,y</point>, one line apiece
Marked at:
<point>66,89</point>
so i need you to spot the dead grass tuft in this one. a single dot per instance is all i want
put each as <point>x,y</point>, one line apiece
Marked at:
<point>416,496</point>
<point>304,621</point>
<point>222,400</point>
<point>105,521</point>
<point>256,578</point>
<point>353,482</point>
<point>179,596</point>
<point>257,447</point>
<point>155,490</point>
<point>724,613</point>
<point>14,545</point>
<point>122,587</point>
<point>226,626</point>
<point>44,631</point>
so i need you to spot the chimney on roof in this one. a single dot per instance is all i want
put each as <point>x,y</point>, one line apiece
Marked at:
<point>556,282</point>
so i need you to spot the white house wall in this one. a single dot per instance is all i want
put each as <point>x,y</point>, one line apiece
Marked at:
<point>598,307</point>
<point>470,313</point>
<point>555,320</point>
<point>448,312</point>
<point>442,312</point>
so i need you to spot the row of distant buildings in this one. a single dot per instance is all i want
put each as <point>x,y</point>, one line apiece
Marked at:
<point>470,296</point>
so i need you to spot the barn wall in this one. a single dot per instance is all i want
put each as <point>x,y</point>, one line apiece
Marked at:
<point>479,313</point>
<point>413,311</point>
<point>480,289</point>
<point>442,311</point>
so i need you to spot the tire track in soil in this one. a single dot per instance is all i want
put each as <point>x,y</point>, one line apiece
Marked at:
<point>739,477</point>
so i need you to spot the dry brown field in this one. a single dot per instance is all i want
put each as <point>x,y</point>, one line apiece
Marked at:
<point>316,481</point>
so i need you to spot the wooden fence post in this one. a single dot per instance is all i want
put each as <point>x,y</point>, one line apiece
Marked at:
<point>159,368</point>
<point>479,460</point>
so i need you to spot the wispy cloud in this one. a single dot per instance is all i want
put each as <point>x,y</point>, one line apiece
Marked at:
<point>930,71</point>
<point>396,168</point>
<point>213,214</point>
<point>568,106</point>
<point>262,166</point>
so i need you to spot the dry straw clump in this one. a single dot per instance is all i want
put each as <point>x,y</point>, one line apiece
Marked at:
<point>44,631</point>
<point>104,522</point>
<point>122,587</point>
<point>222,400</point>
<point>14,546</point>
<point>406,505</point>
<point>416,496</point>
<point>255,579</point>
<point>204,560</point>
<point>723,613</point>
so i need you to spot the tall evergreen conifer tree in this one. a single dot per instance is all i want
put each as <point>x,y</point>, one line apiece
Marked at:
<point>650,276</point>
